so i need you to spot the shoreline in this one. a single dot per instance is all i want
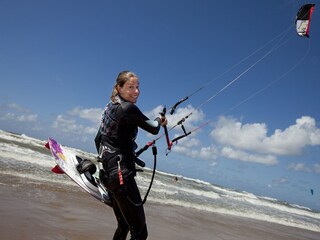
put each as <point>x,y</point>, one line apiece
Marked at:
<point>40,211</point>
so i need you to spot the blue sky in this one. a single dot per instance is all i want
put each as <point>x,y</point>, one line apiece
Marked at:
<point>59,60</point>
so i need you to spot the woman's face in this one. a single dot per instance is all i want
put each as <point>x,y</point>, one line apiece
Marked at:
<point>130,90</point>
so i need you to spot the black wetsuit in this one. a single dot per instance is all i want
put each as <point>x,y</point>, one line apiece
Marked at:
<point>115,142</point>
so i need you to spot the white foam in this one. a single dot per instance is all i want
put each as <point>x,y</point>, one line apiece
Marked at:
<point>21,138</point>
<point>187,192</point>
<point>27,155</point>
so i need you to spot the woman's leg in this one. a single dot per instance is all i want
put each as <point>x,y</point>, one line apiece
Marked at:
<point>128,200</point>
<point>122,228</point>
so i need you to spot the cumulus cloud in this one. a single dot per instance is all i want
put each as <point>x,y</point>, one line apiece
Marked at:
<point>299,167</point>
<point>91,114</point>
<point>278,181</point>
<point>208,153</point>
<point>303,167</point>
<point>316,168</point>
<point>233,133</point>
<point>293,139</point>
<point>253,137</point>
<point>71,123</point>
<point>16,113</point>
<point>194,116</point>
<point>192,147</point>
<point>250,142</point>
<point>16,107</point>
<point>237,154</point>
<point>27,118</point>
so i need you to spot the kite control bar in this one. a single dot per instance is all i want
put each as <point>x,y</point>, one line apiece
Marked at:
<point>149,144</point>
<point>169,143</point>
<point>141,150</point>
<point>182,136</point>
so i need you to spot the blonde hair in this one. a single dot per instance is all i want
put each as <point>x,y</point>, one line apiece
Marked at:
<point>122,78</point>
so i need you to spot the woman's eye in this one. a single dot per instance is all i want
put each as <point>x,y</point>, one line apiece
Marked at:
<point>133,87</point>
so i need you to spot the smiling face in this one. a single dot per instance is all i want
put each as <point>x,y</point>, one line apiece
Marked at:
<point>130,90</point>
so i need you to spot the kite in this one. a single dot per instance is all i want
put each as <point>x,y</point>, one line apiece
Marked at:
<point>303,20</point>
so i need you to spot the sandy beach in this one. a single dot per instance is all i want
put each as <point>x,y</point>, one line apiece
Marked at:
<point>40,211</point>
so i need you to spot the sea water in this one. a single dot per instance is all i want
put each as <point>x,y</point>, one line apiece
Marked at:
<point>25,157</point>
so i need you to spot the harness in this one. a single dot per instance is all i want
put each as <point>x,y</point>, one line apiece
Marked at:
<point>115,168</point>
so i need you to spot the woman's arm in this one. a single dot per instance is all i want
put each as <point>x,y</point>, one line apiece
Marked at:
<point>136,116</point>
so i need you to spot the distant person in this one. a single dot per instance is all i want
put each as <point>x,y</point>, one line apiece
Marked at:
<point>115,142</point>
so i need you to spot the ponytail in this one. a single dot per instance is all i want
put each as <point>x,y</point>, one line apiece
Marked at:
<point>114,93</point>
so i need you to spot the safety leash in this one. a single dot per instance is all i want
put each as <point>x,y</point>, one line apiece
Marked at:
<point>154,152</point>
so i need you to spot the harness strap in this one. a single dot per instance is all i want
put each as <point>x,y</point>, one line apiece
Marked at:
<point>154,151</point>
<point>116,152</point>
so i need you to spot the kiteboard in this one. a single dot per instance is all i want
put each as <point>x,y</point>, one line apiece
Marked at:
<point>67,162</point>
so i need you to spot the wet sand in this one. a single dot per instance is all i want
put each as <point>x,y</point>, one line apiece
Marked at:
<point>38,211</point>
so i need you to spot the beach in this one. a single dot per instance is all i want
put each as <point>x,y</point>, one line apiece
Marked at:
<point>31,210</point>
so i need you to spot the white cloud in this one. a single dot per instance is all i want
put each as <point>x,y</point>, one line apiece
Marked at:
<point>293,139</point>
<point>316,168</point>
<point>302,167</point>
<point>193,117</point>
<point>71,126</point>
<point>7,116</point>
<point>210,153</point>
<point>16,107</point>
<point>71,123</point>
<point>192,147</point>
<point>189,142</point>
<point>233,133</point>
<point>251,142</point>
<point>16,113</point>
<point>27,118</point>
<point>235,140</point>
<point>91,114</point>
<point>253,137</point>
<point>299,167</point>
<point>278,181</point>
<point>237,154</point>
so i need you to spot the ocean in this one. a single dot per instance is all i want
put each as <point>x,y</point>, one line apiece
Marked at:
<point>26,158</point>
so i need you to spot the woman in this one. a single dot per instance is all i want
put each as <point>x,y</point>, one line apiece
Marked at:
<point>115,142</point>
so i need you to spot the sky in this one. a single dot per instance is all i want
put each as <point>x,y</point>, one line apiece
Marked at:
<point>252,82</point>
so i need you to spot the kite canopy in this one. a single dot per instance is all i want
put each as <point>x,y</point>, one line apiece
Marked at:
<point>303,20</point>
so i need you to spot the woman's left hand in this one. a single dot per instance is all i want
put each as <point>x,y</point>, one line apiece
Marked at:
<point>163,121</point>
